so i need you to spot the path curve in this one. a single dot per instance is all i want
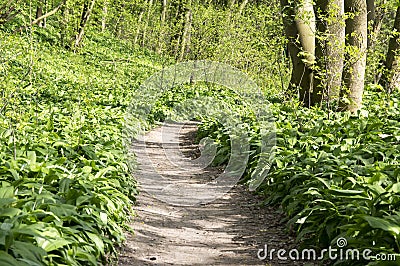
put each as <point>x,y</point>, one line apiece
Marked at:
<point>227,231</point>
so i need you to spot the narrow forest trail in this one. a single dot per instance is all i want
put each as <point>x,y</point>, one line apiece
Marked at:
<point>227,231</point>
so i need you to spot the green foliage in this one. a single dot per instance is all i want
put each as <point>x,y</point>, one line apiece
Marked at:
<point>65,188</point>
<point>250,39</point>
<point>335,174</point>
<point>171,103</point>
<point>65,192</point>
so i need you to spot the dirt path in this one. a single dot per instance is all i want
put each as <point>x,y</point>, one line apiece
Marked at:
<point>227,231</point>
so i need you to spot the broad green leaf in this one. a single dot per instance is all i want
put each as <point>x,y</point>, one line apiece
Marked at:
<point>30,252</point>
<point>7,260</point>
<point>6,202</point>
<point>7,192</point>
<point>384,224</point>
<point>103,217</point>
<point>98,241</point>
<point>49,244</point>
<point>395,188</point>
<point>9,212</point>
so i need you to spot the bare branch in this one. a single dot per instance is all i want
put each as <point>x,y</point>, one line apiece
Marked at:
<point>48,14</point>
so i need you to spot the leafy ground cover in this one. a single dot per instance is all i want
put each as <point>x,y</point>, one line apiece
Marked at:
<point>66,190</point>
<point>334,174</point>
<point>65,186</point>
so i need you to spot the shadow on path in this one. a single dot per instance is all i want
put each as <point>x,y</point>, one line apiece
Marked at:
<point>227,231</point>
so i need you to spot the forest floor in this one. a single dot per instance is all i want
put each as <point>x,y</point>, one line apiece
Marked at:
<point>227,231</point>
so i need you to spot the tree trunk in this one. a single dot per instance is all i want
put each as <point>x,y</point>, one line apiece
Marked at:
<point>354,72</point>
<point>393,56</point>
<point>8,11</point>
<point>162,24</point>
<point>177,25</point>
<point>48,14</point>
<point>104,16</point>
<point>39,13</point>
<point>87,10</point>
<point>242,6</point>
<point>329,50</point>
<point>299,22</point>
<point>371,20</point>
<point>186,34</point>
<point>138,27</point>
<point>146,23</point>
<point>119,21</point>
<point>45,10</point>
<point>63,25</point>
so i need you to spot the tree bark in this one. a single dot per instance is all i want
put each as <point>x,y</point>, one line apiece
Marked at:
<point>48,14</point>
<point>162,24</point>
<point>299,22</point>
<point>64,24</point>
<point>242,6</point>
<point>45,10</point>
<point>354,72</point>
<point>39,13</point>
<point>186,34</point>
<point>87,10</point>
<point>371,20</point>
<point>392,63</point>
<point>177,25</point>
<point>8,11</point>
<point>104,16</point>
<point>146,22</point>
<point>138,27</point>
<point>329,50</point>
<point>42,7</point>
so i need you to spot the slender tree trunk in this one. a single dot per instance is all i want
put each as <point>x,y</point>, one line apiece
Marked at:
<point>162,25</point>
<point>48,14</point>
<point>8,11</point>
<point>147,22</point>
<point>354,72</point>
<point>186,34</point>
<point>64,24</point>
<point>139,22</point>
<point>45,10</point>
<point>117,24</point>
<point>39,13</point>
<point>40,9</point>
<point>87,10</point>
<point>178,26</point>
<point>242,6</point>
<point>329,50</point>
<point>392,63</point>
<point>371,16</point>
<point>120,30</point>
<point>176,48</point>
<point>299,22</point>
<point>104,16</point>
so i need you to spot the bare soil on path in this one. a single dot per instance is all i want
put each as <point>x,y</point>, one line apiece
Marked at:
<point>228,231</point>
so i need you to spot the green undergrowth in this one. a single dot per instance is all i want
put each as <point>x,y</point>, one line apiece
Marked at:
<point>66,190</point>
<point>193,101</point>
<point>334,174</point>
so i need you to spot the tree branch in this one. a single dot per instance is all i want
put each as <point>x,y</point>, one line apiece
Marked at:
<point>48,14</point>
